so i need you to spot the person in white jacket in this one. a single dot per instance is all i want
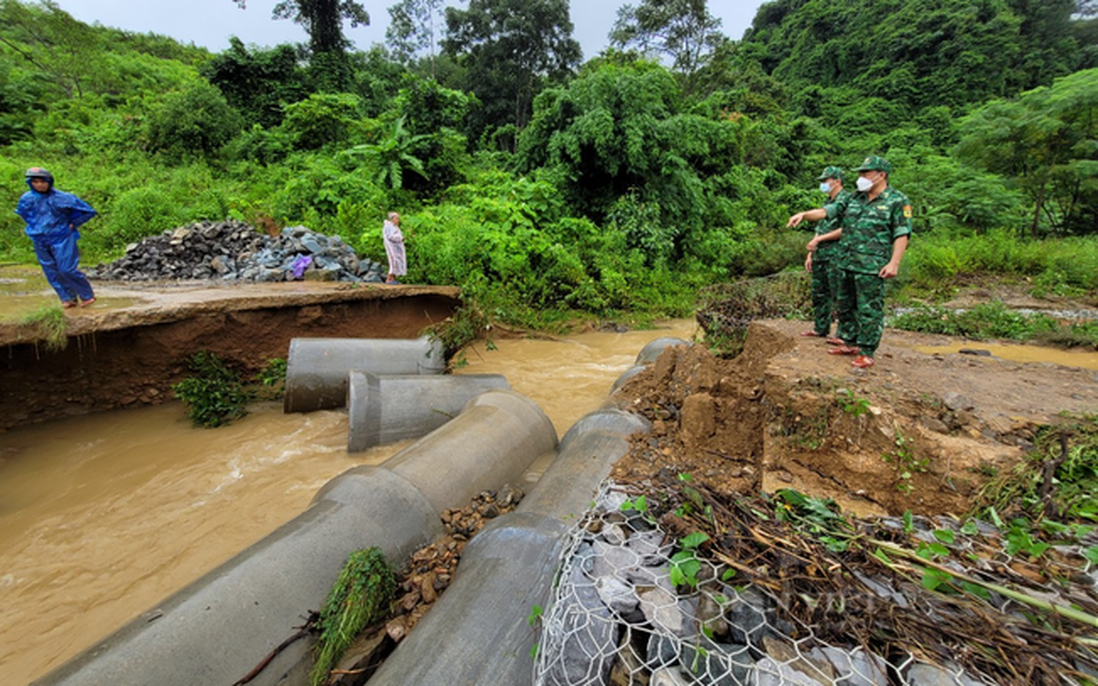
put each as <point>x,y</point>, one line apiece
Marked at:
<point>394,248</point>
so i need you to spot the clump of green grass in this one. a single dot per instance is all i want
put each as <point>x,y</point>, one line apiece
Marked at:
<point>50,322</point>
<point>360,596</point>
<point>996,320</point>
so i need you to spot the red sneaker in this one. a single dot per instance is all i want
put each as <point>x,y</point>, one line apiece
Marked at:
<point>844,350</point>
<point>863,362</point>
<point>811,334</point>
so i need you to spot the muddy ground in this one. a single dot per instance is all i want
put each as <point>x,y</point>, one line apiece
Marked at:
<point>920,432</point>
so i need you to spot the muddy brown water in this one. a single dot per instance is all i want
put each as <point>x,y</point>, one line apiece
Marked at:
<point>102,516</point>
<point>1084,359</point>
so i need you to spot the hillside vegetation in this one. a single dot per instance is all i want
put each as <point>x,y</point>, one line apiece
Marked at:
<point>550,189</point>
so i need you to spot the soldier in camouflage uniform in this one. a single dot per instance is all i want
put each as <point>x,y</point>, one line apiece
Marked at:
<point>823,263</point>
<point>876,227</point>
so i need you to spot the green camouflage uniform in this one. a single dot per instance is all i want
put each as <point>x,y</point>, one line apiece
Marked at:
<point>825,271</point>
<point>869,230</point>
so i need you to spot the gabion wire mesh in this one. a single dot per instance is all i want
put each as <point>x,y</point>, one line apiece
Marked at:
<point>622,613</point>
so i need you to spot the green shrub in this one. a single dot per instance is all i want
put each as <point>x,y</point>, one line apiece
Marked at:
<point>323,119</point>
<point>142,211</point>
<point>215,395</point>
<point>195,122</point>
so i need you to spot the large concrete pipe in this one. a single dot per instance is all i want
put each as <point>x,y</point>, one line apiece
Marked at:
<point>317,368</point>
<point>646,356</point>
<point>219,628</point>
<point>383,409</point>
<point>655,348</point>
<point>478,632</point>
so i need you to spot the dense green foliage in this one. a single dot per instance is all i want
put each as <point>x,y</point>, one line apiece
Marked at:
<point>549,189</point>
<point>215,394</point>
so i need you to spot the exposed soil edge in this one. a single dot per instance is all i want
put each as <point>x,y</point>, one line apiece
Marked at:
<point>132,357</point>
<point>917,432</point>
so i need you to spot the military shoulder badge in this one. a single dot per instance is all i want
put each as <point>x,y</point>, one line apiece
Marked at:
<point>907,211</point>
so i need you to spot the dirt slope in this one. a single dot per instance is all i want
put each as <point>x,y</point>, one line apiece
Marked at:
<point>920,432</point>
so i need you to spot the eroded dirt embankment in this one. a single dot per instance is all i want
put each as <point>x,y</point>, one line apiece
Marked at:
<point>918,432</point>
<point>122,356</point>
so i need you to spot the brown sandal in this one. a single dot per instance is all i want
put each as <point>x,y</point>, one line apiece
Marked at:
<point>844,350</point>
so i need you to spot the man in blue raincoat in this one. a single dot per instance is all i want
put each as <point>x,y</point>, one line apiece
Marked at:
<point>53,218</point>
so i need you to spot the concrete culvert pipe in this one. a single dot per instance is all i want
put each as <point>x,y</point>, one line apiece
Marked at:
<point>317,368</point>
<point>383,409</point>
<point>219,628</point>
<point>646,356</point>
<point>650,352</point>
<point>478,633</point>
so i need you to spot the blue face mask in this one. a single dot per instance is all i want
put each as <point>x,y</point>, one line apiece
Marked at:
<point>825,187</point>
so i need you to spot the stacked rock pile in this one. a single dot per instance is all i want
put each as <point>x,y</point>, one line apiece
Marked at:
<point>233,250</point>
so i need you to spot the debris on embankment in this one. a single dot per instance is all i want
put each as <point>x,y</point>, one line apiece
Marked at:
<point>236,251</point>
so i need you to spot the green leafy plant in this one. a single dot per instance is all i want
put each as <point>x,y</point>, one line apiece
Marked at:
<point>817,516</point>
<point>907,463</point>
<point>850,403</point>
<point>360,596</point>
<point>214,395</point>
<point>272,379</point>
<point>686,563</point>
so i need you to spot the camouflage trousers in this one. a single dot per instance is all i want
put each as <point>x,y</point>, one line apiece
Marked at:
<point>825,285</point>
<point>860,302</point>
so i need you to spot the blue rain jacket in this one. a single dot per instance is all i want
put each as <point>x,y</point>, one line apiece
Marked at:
<point>51,214</point>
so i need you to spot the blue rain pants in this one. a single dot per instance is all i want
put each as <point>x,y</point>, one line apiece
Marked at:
<point>60,259</point>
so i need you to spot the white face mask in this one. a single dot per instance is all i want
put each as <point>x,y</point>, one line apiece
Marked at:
<point>864,184</point>
<point>825,187</point>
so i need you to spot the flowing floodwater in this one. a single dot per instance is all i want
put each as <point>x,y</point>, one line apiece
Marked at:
<point>103,516</point>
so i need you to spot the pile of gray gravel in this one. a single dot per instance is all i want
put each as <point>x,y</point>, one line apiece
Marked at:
<point>233,250</point>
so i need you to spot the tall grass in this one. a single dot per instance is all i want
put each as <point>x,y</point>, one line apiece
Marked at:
<point>1063,266</point>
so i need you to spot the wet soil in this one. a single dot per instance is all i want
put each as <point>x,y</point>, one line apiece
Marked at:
<point>132,345</point>
<point>920,432</point>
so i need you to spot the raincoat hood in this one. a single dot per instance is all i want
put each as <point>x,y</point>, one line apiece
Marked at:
<point>38,173</point>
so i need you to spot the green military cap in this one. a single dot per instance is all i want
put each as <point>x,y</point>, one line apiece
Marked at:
<point>830,173</point>
<point>875,163</point>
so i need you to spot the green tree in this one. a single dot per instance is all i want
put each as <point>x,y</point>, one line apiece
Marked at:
<point>1049,48</point>
<point>619,131</point>
<point>322,20</point>
<point>392,156</point>
<point>55,43</point>
<point>916,54</point>
<point>682,30</point>
<point>413,28</point>
<point>196,122</point>
<point>323,119</point>
<point>258,82</point>
<point>508,47</point>
<point>436,116</point>
<point>1045,140</point>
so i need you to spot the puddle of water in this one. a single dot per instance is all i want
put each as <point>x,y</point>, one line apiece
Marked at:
<point>103,516</point>
<point>1020,353</point>
<point>24,290</point>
